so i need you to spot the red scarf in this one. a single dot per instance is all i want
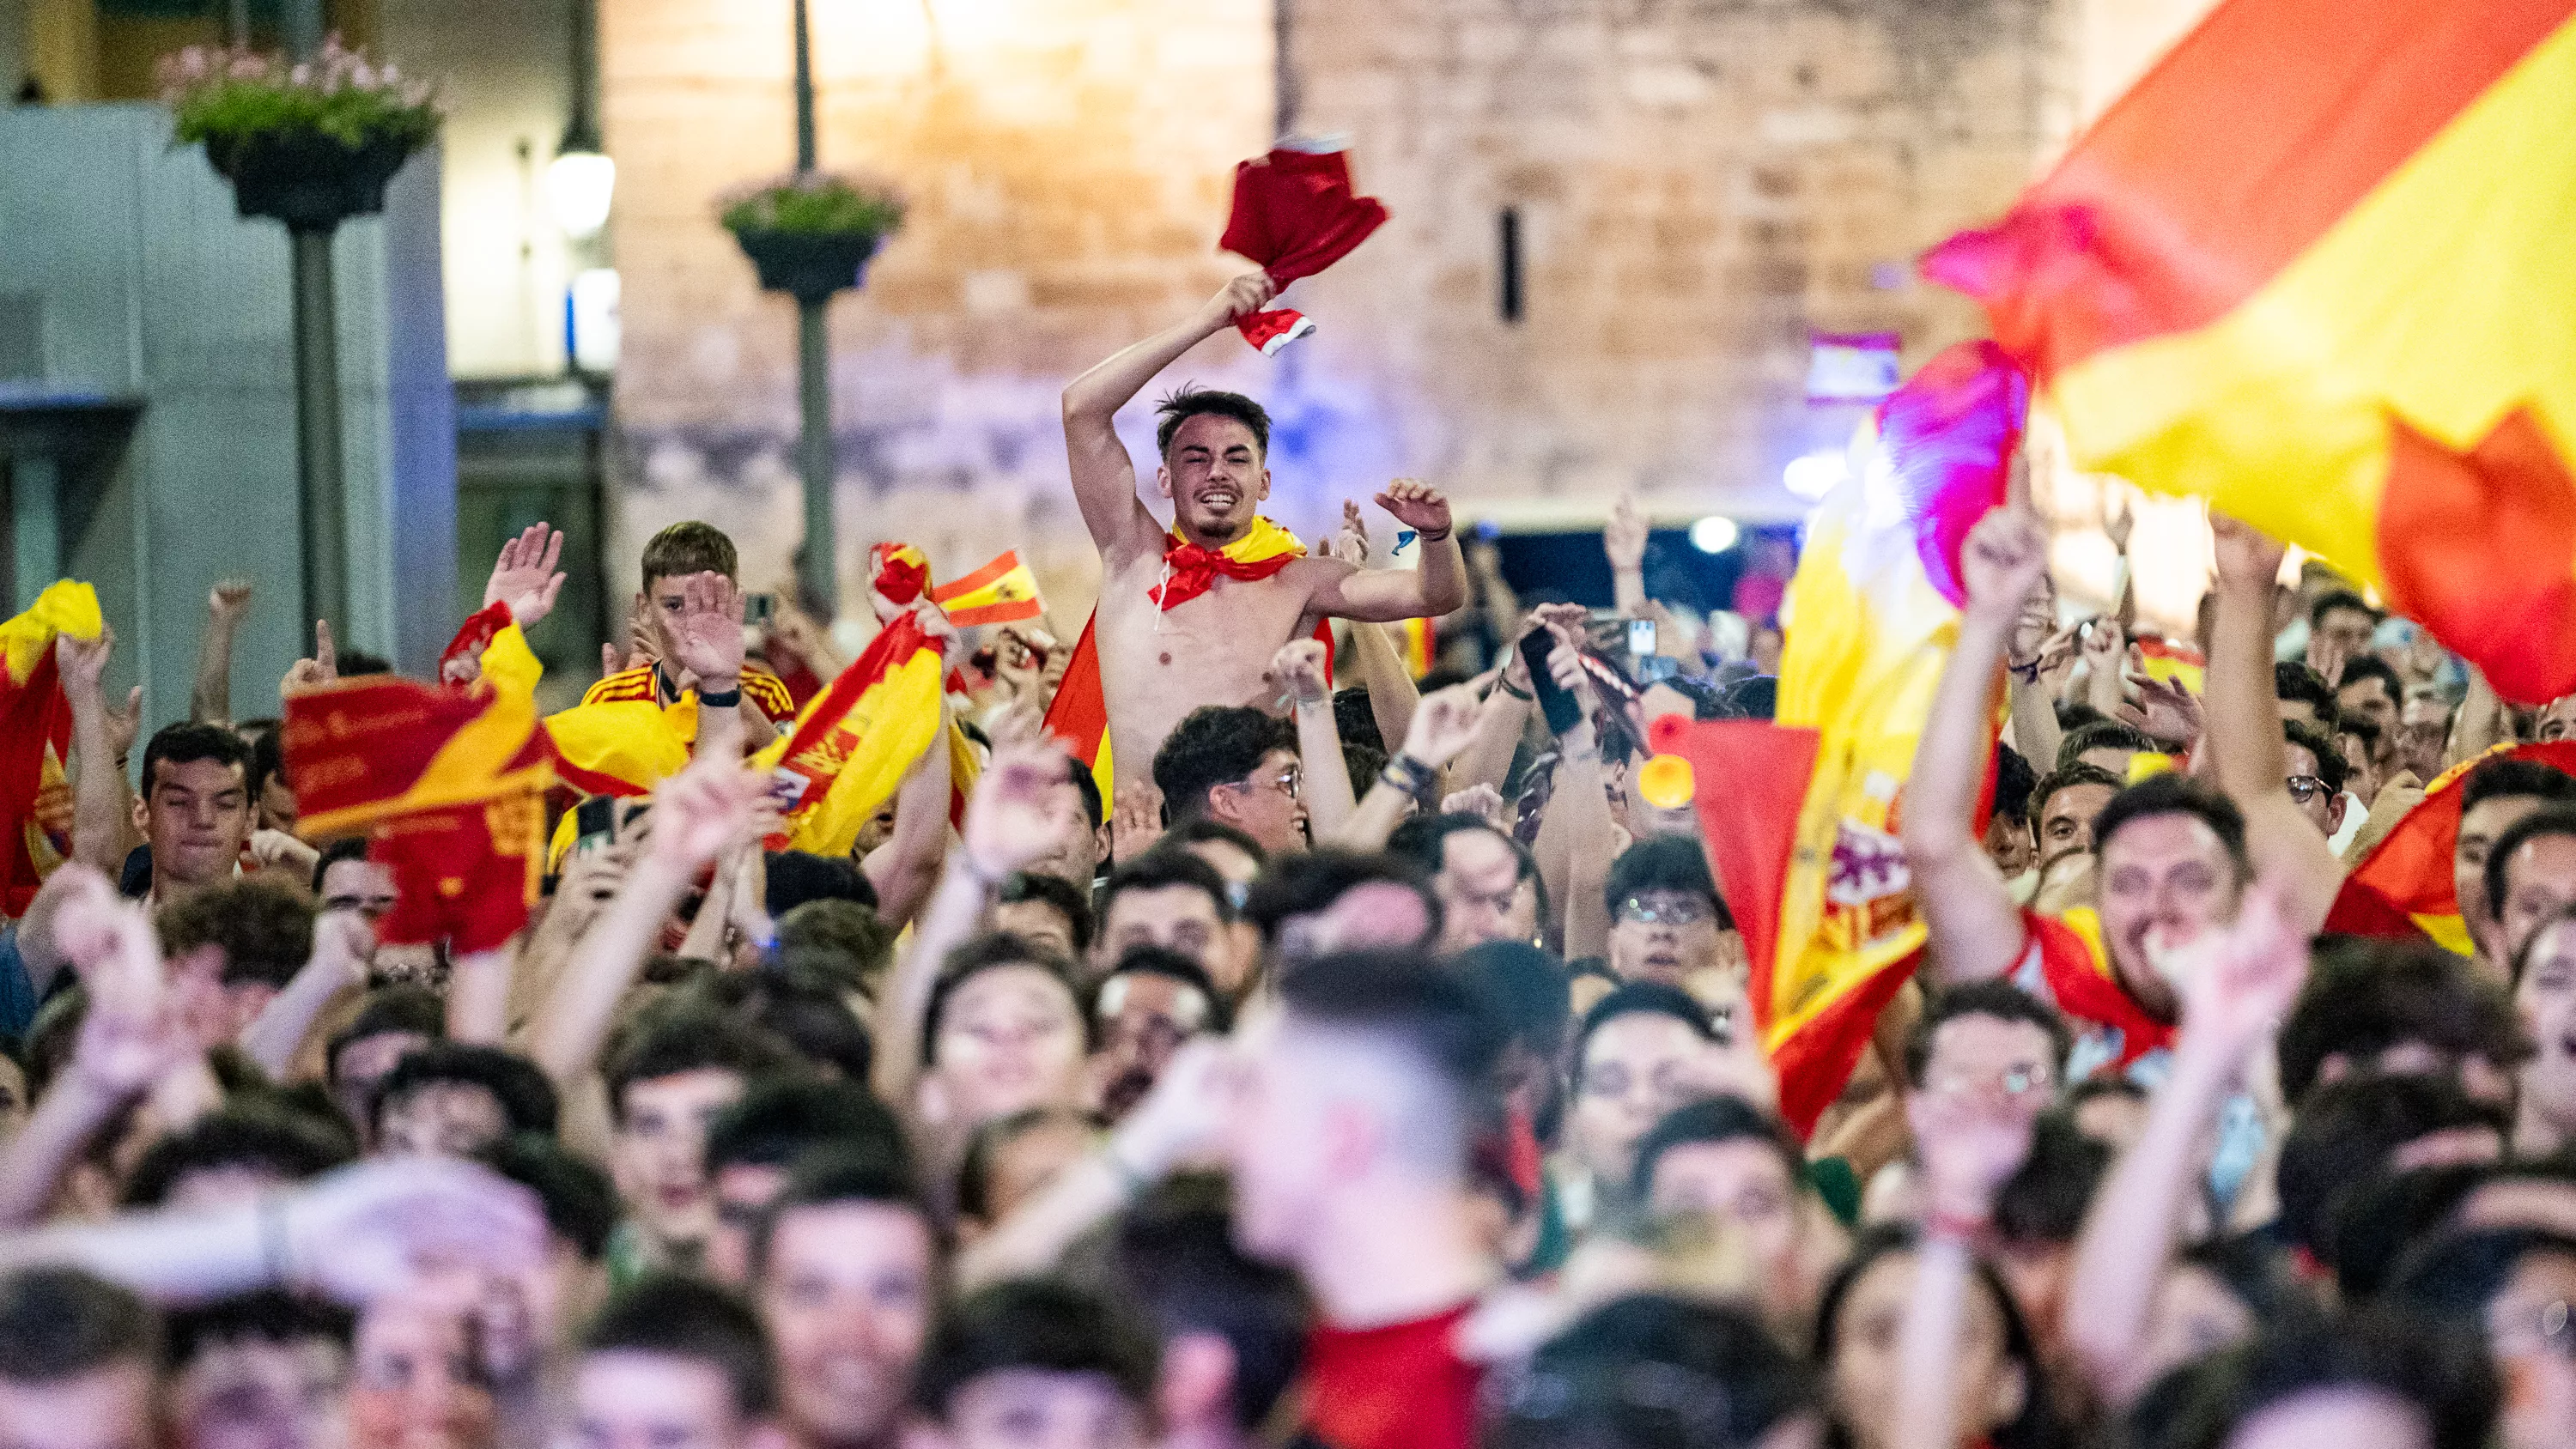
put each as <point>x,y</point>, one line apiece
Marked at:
<point>1190,569</point>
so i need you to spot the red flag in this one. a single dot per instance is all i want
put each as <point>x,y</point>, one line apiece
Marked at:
<point>2403,886</point>
<point>1295,214</point>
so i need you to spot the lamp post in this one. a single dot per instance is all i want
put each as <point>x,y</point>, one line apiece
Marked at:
<point>582,180</point>
<point>320,460</point>
<point>819,577</point>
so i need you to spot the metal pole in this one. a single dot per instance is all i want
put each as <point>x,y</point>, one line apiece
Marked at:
<point>818,570</point>
<point>318,456</point>
<point>237,24</point>
<point>804,92</point>
<point>304,28</point>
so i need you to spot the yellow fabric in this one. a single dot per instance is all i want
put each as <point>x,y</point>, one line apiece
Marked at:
<point>866,754</point>
<point>1016,585</point>
<point>2445,296</point>
<point>65,607</point>
<point>634,740</point>
<point>1264,539</point>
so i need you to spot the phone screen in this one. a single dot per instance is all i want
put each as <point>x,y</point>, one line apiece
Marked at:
<point>1641,637</point>
<point>1563,711</point>
<point>759,608</point>
<point>595,822</point>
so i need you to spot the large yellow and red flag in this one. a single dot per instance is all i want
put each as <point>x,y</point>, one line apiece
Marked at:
<point>2315,268</point>
<point>1804,838</point>
<point>35,738</point>
<point>851,747</point>
<point>2404,886</point>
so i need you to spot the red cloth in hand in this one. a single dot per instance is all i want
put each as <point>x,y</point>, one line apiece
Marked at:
<point>1294,213</point>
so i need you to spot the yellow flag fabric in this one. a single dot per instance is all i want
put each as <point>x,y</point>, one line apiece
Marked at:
<point>851,747</point>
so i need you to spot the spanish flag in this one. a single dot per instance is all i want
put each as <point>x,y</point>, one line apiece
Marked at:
<point>1079,713</point>
<point>2403,887</point>
<point>2315,268</point>
<point>1001,592</point>
<point>35,738</point>
<point>852,746</point>
<point>447,783</point>
<point>1804,839</point>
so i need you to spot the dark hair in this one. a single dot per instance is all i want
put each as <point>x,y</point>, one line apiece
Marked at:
<point>264,928</point>
<point>847,927</point>
<point>1424,840</point>
<point>1201,831</point>
<point>681,1317</point>
<point>691,1039</point>
<point>358,663</point>
<point>1404,996</point>
<point>254,1134</point>
<point>267,761</point>
<point>1754,697</point>
<point>1527,987</point>
<point>2371,666</point>
<point>2507,776</point>
<point>1634,998</point>
<point>975,1169</point>
<point>267,1316</point>
<point>1186,402</point>
<point>189,742</point>
<point>798,1000</point>
<point>1711,1120</point>
<point>1088,786</point>
<point>344,849</point>
<point>1035,1325</point>
<point>2043,1202</point>
<point>792,878</point>
<point>2066,778</point>
<point>2452,1279</point>
<point>2175,793</point>
<point>2551,820</point>
<point>580,1203</point>
<point>2014,782</point>
<point>2037,1426</point>
<point>1163,868</point>
<point>1310,881</point>
<point>2332,767</point>
<point>852,1169</point>
<point>2365,995</point>
<point>2381,1219</point>
<point>1151,960</point>
<point>2292,680</point>
<point>1995,997</point>
<point>526,1098</point>
<point>2360,729</point>
<point>2444,1376</point>
<point>688,548</point>
<point>2107,734</point>
<point>413,1010</point>
<point>1673,863</point>
<point>2333,599</point>
<point>779,1119</point>
<point>1214,745</point>
<point>1172,1255</point>
<point>1355,718</point>
<point>992,951</point>
<point>2345,1132</point>
<point>1068,900</point>
<point>1652,1371</point>
<point>61,1323</point>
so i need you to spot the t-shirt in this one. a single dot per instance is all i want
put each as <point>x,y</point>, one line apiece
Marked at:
<point>1398,1387</point>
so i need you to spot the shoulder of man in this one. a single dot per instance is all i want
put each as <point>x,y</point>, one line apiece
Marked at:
<point>635,683</point>
<point>767,691</point>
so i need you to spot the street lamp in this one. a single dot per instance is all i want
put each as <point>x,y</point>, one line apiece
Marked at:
<point>581,180</point>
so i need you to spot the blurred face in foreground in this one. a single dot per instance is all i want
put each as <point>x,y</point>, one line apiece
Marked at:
<point>1010,1037</point>
<point>1482,896</point>
<point>847,1293</point>
<point>2164,879</point>
<point>1989,1388</point>
<point>658,1156</point>
<point>628,1399</point>
<point>257,1393</point>
<point>1034,1409</point>
<point>109,1407</point>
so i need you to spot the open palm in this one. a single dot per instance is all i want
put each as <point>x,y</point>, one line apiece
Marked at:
<point>524,577</point>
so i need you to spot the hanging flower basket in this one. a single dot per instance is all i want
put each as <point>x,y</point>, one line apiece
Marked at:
<point>309,144</point>
<point>811,235</point>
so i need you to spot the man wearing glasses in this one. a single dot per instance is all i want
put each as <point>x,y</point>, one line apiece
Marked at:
<point>1238,766</point>
<point>2317,772</point>
<point>1667,922</point>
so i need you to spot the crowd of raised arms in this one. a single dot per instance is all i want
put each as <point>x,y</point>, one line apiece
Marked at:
<point>1369,1064</point>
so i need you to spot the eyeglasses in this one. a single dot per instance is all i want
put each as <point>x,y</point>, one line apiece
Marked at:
<point>2019,1081</point>
<point>1285,782</point>
<point>1674,911</point>
<point>2551,1324</point>
<point>2304,788</point>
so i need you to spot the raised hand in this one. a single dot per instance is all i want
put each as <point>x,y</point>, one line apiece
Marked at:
<point>1243,296</point>
<point>2119,521</point>
<point>318,672</point>
<point>228,602</point>
<point>2238,980</point>
<point>1020,657</point>
<point>1443,724</point>
<point>2005,557</point>
<point>699,811</point>
<point>276,848</point>
<point>1482,801</point>
<point>82,663</point>
<point>123,725</point>
<point>1008,819</point>
<point>1565,661</point>
<point>1418,506</point>
<point>1299,668</point>
<point>524,576</point>
<point>1350,544</point>
<point>2106,644</point>
<point>706,634</point>
<point>2247,557</point>
<point>1969,1143</point>
<point>1624,537</point>
<point>2327,657</point>
<point>132,1033</point>
<point>1183,1118</point>
<point>2165,710</point>
<point>383,1225</point>
<point>1135,819</point>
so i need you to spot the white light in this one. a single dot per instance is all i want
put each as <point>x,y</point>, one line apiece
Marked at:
<point>579,185</point>
<point>596,335</point>
<point>1813,475</point>
<point>1713,534</point>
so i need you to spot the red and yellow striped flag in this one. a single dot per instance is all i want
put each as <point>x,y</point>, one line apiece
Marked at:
<point>852,746</point>
<point>2315,268</point>
<point>35,738</point>
<point>1001,592</point>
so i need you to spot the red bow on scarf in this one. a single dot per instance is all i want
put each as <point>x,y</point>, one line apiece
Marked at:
<point>1191,570</point>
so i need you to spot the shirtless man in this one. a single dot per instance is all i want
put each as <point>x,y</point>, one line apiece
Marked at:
<point>1214,647</point>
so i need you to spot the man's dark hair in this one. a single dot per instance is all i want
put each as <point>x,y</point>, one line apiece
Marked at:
<point>2332,767</point>
<point>1170,965</point>
<point>992,951</point>
<point>2501,778</point>
<point>2042,1204</point>
<point>1185,833</point>
<point>2359,729</point>
<point>1086,785</point>
<point>1674,863</point>
<point>58,1324</point>
<point>2452,1280</point>
<point>1034,1325</point>
<point>1355,718</point>
<point>2333,599</point>
<point>2382,1220</point>
<point>2364,995</point>
<point>267,762</point>
<point>1529,989</point>
<point>845,928</point>
<point>1172,1255</point>
<point>187,743</point>
<point>1162,869</point>
<point>1214,745</point>
<point>1309,882</point>
<point>2292,680</point>
<point>340,851</point>
<point>2344,1133</point>
<point>1713,1120</point>
<point>2066,778</point>
<point>1424,840</point>
<point>526,1098</point>
<point>852,1169</point>
<point>689,1318</point>
<point>792,878</point>
<point>1632,998</point>
<point>2445,1377</point>
<point>1191,402</point>
<point>268,1316</point>
<point>975,1169</point>
<point>2371,666</point>
<point>1655,1372</point>
<point>2107,734</point>
<point>2015,780</point>
<point>1995,997</point>
<point>264,928</point>
<point>2174,793</point>
<point>359,663</point>
<point>780,1119</point>
<point>1068,900</point>
<point>2541,824</point>
<point>692,1039</point>
<point>255,1134</point>
<point>580,1203</point>
<point>2036,1427</point>
<point>1409,998</point>
<point>800,1000</point>
<point>413,1010</point>
<point>688,548</point>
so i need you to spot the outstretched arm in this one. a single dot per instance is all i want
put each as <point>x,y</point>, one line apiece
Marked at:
<point>905,869</point>
<point>1441,728</point>
<point>98,791</point>
<point>338,964</point>
<point>2244,727</point>
<point>1299,668</point>
<point>211,702</point>
<point>1976,929</point>
<point>1385,595</point>
<point>1969,1145</point>
<point>1104,477</point>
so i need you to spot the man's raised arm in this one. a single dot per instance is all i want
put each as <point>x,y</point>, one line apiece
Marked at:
<point>1437,587</point>
<point>1104,477</point>
<point>2244,728</point>
<point>1976,928</point>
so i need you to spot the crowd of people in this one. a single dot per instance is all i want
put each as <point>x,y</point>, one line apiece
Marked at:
<point>1353,1060</point>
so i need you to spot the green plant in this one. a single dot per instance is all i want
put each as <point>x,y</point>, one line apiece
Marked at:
<point>813,203</point>
<point>226,98</point>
